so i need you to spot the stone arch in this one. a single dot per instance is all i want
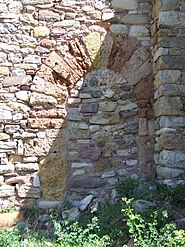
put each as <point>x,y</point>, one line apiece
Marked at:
<point>128,61</point>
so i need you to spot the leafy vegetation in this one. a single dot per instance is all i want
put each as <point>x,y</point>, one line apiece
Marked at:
<point>113,224</point>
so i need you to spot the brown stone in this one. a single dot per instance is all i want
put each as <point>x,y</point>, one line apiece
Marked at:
<point>43,123</point>
<point>53,176</point>
<point>124,114</point>
<point>171,141</point>
<point>122,50</point>
<point>86,182</point>
<point>54,89</point>
<point>41,147</point>
<point>18,180</point>
<point>51,113</point>
<point>48,43</point>
<point>92,153</point>
<point>144,89</point>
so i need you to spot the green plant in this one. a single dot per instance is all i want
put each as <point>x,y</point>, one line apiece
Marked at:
<point>7,209</point>
<point>152,231</point>
<point>126,187</point>
<point>72,235</point>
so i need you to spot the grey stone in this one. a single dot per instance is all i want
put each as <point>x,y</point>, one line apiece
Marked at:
<point>48,204</point>
<point>168,173</point>
<point>92,153</point>
<point>108,174</point>
<point>172,159</point>
<point>135,19</point>
<point>138,31</point>
<point>125,4</point>
<point>86,182</point>
<point>171,19</point>
<point>89,108</point>
<point>171,121</point>
<point>105,119</point>
<point>85,203</point>
<point>108,106</point>
<point>141,206</point>
<point>78,165</point>
<point>118,29</point>
<point>71,215</point>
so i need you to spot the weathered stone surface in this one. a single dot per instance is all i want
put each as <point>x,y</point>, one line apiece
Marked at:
<point>26,167</point>
<point>171,19</point>
<point>86,182</point>
<point>89,108</point>
<point>93,44</point>
<point>125,4</point>
<point>121,52</point>
<point>169,173</point>
<point>105,119</point>
<point>167,76</point>
<point>26,191</point>
<point>7,191</point>
<point>18,180</point>
<point>71,215</point>
<point>142,205</point>
<point>108,106</point>
<point>170,62</point>
<point>138,31</point>
<point>53,167</point>
<point>48,204</point>
<point>170,121</point>
<point>41,147</point>
<point>171,141</point>
<point>52,89</point>
<point>92,153</point>
<point>44,123</point>
<point>85,202</point>
<point>48,15</point>
<point>135,19</point>
<point>33,2</point>
<point>17,80</point>
<point>38,98</point>
<point>168,106</point>
<point>119,29</point>
<point>172,159</point>
<point>78,165</point>
<point>6,168</point>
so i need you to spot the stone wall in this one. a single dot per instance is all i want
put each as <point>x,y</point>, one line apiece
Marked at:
<point>76,99</point>
<point>169,61</point>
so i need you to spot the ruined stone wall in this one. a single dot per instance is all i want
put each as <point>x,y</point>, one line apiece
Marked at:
<point>169,67</point>
<point>76,99</point>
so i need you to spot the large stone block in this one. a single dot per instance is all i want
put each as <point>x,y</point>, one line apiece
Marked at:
<point>172,159</point>
<point>17,80</point>
<point>171,141</point>
<point>171,19</point>
<point>167,77</point>
<point>107,118</point>
<point>125,4</point>
<point>43,123</point>
<point>168,106</point>
<point>169,173</point>
<point>170,62</point>
<point>171,121</point>
<point>53,177</point>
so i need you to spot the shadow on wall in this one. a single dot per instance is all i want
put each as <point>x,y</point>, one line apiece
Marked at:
<point>89,110</point>
<point>110,95</point>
